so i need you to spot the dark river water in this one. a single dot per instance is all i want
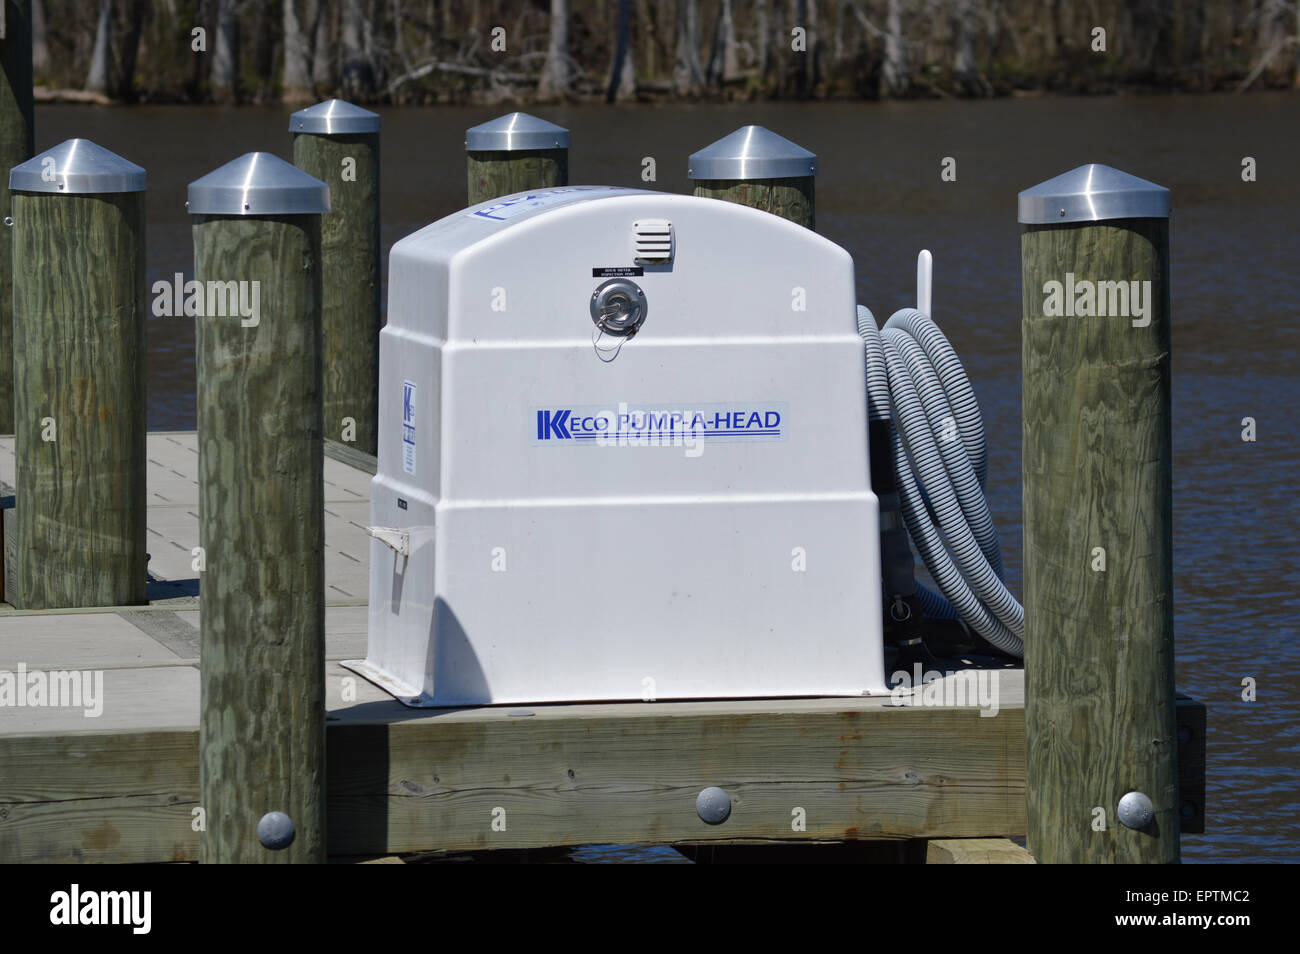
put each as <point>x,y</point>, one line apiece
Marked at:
<point>879,194</point>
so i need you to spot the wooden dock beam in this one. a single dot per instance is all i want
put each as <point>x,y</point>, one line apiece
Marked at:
<point>515,153</point>
<point>1102,772</point>
<point>262,724</point>
<point>755,167</point>
<point>338,143</point>
<point>17,143</point>
<point>79,378</point>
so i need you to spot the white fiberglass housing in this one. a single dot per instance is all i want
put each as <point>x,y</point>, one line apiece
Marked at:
<point>683,513</point>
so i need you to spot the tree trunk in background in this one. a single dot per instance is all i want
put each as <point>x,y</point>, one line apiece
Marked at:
<point>893,72</point>
<point>688,76</point>
<point>296,82</point>
<point>764,46</point>
<point>1295,80</point>
<point>130,46</point>
<point>264,49</point>
<point>811,69</point>
<point>648,31</point>
<point>722,61</point>
<point>375,30</point>
<point>225,55</point>
<point>357,78</point>
<point>965,68</point>
<point>97,79</point>
<point>40,41</point>
<point>622,72</point>
<point>1050,22</point>
<point>554,82</point>
<point>322,62</point>
<point>399,38</point>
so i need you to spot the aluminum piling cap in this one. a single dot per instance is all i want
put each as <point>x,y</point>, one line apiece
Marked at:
<point>258,183</point>
<point>78,167</point>
<point>752,152</point>
<point>333,117</point>
<point>1092,193</point>
<point>514,132</point>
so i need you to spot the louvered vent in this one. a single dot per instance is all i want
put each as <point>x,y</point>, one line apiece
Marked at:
<point>652,241</point>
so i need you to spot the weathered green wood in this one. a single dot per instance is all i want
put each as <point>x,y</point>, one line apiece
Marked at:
<point>17,126</point>
<point>79,389</point>
<point>860,770</point>
<point>792,199</point>
<point>349,164</point>
<point>498,172</point>
<point>626,774</point>
<point>1099,649</point>
<point>262,530</point>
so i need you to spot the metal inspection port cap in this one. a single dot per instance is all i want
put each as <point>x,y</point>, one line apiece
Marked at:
<point>332,117</point>
<point>77,167</point>
<point>258,183</point>
<point>1092,193</point>
<point>514,132</point>
<point>752,152</point>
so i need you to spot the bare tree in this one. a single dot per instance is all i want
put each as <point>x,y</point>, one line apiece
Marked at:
<point>647,28</point>
<point>296,83</point>
<point>225,55</point>
<point>322,63</point>
<point>357,78</point>
<point>622,72</point>
<point>763,27</point>
<point>97,78</point>
<point>964,67</point>
<point>688,76</point>
<point>723,66</point>
<point>1295,81</point>
<point>893,72</point>
<point>40,41</point>
<point>554,82</point>
<point>812,61</point>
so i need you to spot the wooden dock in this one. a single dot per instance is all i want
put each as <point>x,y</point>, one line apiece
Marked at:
<point>124,786</point>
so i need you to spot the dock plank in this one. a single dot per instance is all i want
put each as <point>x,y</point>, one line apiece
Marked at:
<point>414,780</point>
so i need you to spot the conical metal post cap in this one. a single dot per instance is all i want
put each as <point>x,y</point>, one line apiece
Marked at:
<point>752,152</point>
<point>514,132</point>
<point>77,167</point>
<point>334,117</point>
<point>1092,193</point>
<point>258,183</point>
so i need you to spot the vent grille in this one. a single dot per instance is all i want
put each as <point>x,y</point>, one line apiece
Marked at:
<point>652,241</point>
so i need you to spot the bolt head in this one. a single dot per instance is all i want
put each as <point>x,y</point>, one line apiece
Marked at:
<point>713,805</point>
<point>1136,811</point>
<point>276,831</point>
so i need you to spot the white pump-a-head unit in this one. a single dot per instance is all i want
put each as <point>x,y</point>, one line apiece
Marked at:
<point>622,456</point>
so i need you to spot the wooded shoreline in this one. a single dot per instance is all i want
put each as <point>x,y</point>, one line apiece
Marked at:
<point>422,52</point>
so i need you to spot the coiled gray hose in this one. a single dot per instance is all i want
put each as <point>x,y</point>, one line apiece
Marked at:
<point>941,461</point>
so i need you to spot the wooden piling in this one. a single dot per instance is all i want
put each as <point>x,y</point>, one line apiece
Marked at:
<point>262,718</point>
<point>755,167</point>
<point>515,153</point>
<point>16,145</point>
<point>1099,660</point>
<point>338,143</point>
<point>79,378</point>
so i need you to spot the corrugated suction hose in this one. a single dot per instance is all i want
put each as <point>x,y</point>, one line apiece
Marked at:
<point>936,437</point>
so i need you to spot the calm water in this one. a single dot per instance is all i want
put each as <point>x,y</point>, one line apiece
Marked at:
<point>880,196</point>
